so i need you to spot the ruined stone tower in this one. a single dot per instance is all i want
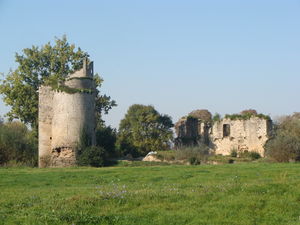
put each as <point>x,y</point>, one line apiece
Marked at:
<point>226,135</point>
<point>65,115</point>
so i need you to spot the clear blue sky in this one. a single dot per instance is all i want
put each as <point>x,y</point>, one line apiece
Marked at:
<point>224,56</point>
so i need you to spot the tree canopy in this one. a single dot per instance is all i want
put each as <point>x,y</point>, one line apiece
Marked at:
<point>284,146</point>
<point>44,65</point>
<point>202,114</point>
<point>143,130</point>
<point>17,144</point>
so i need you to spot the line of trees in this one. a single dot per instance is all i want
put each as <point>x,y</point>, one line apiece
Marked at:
<point>142,130</point>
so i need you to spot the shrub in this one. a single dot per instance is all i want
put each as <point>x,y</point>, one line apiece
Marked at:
<point>216,117</point>
<point>92,156</point>
<point>249,112</point>
<point>194,161</point>
<point>194,155</point>
<point>285,145</point>
<point>18,144</point>
<point>230,161</point>
<point>166,155</point>
<point>254,155</point>
<point>246,115</point>
<point>233,153</point>
<point>106,138</point>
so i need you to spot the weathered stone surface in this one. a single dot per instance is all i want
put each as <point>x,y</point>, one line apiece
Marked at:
<point>187,127</point>
<point>191,131</point>
<point>63,157</point>
<point>151,158</point>
<point>225,135</point>
<point>45,125</point>
<point>250,135</point>
<point>64,118</point>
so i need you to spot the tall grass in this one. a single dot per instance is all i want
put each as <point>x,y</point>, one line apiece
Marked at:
<point>194,155</point>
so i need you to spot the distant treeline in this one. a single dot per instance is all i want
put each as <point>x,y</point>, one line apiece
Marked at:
<point>136,137</point>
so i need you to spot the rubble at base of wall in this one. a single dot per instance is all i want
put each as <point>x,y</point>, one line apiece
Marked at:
<point>63,157</point>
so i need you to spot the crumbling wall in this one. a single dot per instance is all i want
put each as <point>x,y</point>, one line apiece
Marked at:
<point>73,117</point>
<point>225,135</point>
<point>187,127</point>
<point>45,125</point>
<point>244,135</point>
<point>191,131</point>
<point>65,118</point>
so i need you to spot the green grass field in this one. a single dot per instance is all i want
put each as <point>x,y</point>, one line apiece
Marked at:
<point>246,193</point>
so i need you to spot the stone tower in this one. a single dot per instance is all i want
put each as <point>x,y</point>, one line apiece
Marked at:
<point>65,115</point>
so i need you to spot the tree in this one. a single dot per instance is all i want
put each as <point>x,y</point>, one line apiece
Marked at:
<point>202,114</point>
<point>216,117</point>
<point>143,130</point>
<point>45,65</point>
<point>106,138</point>
<point>284,146</point>
<point>17,144</point>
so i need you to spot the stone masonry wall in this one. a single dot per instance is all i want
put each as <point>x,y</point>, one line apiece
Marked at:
<point>250,135</point>
<point>64,118</point>
<point>45,125</point>
<point>73,114</point>
<point>226,135</point>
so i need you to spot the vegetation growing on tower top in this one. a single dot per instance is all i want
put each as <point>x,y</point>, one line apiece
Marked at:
<point>246,115</point>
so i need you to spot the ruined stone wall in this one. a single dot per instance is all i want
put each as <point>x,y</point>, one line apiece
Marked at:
<point>64,118</point>
<point>191,131</point>
<point>187,127</point>
<point>45,125</point>
<point>250,135</point>
<point>73,117</point>
<point>226,135</point>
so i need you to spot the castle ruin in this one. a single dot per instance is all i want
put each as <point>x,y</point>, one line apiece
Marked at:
<point>223,136</point>
<point>65,115</point>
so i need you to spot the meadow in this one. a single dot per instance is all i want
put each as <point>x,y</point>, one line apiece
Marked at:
<point>242,193</point>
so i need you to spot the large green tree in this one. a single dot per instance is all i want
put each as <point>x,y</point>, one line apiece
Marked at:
<point>143,130</point>
<point>284,146</point>
<point>44,65</point>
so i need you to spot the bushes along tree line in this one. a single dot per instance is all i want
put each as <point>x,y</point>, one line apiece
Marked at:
<point>143,128</point>
<point>284,146</point>
<point>18,144</point>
